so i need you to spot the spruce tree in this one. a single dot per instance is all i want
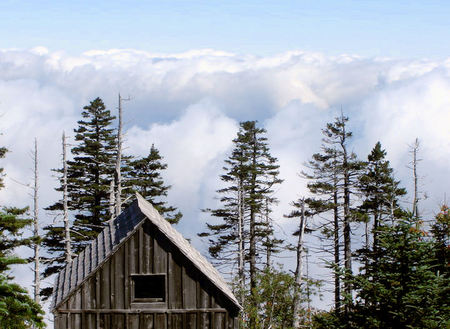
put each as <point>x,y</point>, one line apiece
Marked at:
<point>89,175</point>
<point>144,177</point>
<point>334,175</point>
<point>91,171</point>
<point>241,238</point>
<point>17,308</point>
<point>398,287</point>
<point>380,193</point>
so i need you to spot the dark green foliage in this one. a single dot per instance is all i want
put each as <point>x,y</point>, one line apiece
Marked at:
<point>271,302</point>
<point>145,178</point>
<point>91,171</point>
<point>333,176</point>
<point>398,287</point>
<point>253,172</point>
<point>441,234</point>
<point>89,176</point>
<point>380,192</point>
<point>245,232</point>
<point>17,309</point>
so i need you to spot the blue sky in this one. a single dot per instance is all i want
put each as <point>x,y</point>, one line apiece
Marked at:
<point>289,69</point>
<point>405,29</point>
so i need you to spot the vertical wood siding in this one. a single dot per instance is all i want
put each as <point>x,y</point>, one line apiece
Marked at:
<point>104,300</point>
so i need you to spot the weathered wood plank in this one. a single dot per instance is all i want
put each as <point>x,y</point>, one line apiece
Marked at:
<point>160,321</point>
<point>105,321</point>
<point>159,257</point>
<point>63,321</point>
<point>105,291</point>
<point>219,320</point>
<point>145,245</point>
<point>191,321</point>
<point>112,275</point>
<point>203,298</point>
<point>97,284</point>
<point>189,289</point>
<point>126,279</point>
<point>90,321</point>
<point>61,278</point>
<point>118,321</point>
<point>204,321</point>
<point>133,322</point>
<point>175,321</point>
<point>147,321</point>
<point>140,236</point>
<point>175,283</point>
<point>119,278</point>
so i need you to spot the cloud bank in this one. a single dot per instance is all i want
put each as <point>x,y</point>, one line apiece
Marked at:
<point>189,105</point>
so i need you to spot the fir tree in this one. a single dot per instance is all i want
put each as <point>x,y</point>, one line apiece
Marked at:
<point>398,287</point>
<point>17,309</point>
<point>250,174</point>
<point>91,171</point>
<point>89,175</point>
<point>145,178</point>
<point>380,192</point>
<point>333,174</point>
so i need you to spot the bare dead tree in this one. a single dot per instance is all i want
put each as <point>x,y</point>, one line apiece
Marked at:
<point>414,149</point>
<point>67,238</point>
<point>299,267</point>
<point>241,265</point>
<point>111,200</point>
<point>118,183</point>
<point>36,237</point>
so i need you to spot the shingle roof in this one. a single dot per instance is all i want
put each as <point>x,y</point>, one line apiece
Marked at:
<point>110,239</point>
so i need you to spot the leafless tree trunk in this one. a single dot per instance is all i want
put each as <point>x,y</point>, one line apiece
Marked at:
<point>414,151</point>
<point>299,268</point>
<point>118,183</point>
<point>67,237</point>
<point>37,280</point>
<point>347,215</point>
<point>337,256</point>
<point>111,201</point>
<point>241,272</point>
<point>118,200</point>
<point>268,240</point>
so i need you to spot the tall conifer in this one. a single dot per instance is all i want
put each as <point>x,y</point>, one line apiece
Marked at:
<point>145,178</point>
<point>334,174</point>
<point>241,238</point>
<point>380,192</point>
<point>89,176</point>
<point>17,309</point>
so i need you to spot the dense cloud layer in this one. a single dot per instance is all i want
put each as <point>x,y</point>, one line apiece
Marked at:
<point>189,106</point>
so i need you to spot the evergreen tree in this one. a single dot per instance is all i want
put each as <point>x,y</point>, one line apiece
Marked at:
<point>17,309</point>
<point>89,175</point>
<point>380,192</point>
<point>251,174</point>
<point>441,233</point>
<point>145,178</point>
<point>91,171</point>
<point>333,174</point>
<point>398,287</point>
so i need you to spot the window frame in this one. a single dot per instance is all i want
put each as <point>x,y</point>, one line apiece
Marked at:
<point>158,302</point>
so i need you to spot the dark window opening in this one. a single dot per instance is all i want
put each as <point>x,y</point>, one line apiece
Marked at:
<point>150,288</point>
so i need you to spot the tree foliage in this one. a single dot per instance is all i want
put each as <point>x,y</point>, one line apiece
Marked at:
<point>399,286</point>
<point>145,177</point>
<point>17,308</point>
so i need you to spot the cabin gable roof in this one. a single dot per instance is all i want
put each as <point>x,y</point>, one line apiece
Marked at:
<point>112,238</point>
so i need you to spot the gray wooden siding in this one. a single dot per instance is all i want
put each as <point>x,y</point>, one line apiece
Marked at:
<point>104,300</point>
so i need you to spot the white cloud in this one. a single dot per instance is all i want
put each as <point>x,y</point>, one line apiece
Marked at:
<point>189,104</point>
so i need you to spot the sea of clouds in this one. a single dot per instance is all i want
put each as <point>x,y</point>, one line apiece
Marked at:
<point>189,105</point>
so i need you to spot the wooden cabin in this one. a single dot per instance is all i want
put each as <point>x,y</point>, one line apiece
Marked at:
<point>141,273</point>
